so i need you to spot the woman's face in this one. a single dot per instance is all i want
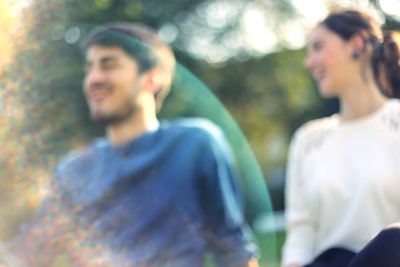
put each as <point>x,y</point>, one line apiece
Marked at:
<point>329,60</point>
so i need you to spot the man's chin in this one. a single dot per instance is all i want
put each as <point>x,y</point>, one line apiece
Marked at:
<point>326,92</point>
<point>103,119</point>
<point>107,120</point>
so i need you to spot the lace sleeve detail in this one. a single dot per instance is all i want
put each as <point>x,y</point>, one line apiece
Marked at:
<point>310,138</point>
<point>315,133</point>
<point>391,116</point>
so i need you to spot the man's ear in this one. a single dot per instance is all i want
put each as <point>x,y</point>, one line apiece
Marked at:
<point>154,80</point>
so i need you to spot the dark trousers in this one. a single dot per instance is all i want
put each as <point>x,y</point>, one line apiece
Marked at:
<point>382,251</point>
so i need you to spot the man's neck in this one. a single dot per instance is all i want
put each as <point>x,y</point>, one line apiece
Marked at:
<point>129,129</point>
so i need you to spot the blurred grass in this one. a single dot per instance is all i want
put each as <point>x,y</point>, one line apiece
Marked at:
<point>267,258</point>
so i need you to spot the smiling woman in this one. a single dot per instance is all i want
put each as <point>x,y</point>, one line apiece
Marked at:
<point>342,169</point>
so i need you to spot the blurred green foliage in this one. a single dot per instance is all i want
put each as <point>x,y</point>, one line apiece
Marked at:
<point>268,96</point>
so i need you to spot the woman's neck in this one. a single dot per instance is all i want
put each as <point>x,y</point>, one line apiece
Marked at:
<point>360,101</point>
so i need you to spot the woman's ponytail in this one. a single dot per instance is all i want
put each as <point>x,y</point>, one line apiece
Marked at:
<point>386,64</point>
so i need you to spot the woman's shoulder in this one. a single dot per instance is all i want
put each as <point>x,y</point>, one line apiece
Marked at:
<point>391,114</point>
<point>313,134</point>
<point>317,127</point>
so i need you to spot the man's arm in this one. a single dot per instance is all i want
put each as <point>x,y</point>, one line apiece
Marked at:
<point>252,263</point>
<point>228,236</point>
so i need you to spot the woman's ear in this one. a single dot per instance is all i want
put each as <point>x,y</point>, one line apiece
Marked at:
<point>358,46</point>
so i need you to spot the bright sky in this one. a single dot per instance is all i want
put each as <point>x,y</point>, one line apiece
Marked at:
<point>294,32</point>
<point>9,11</point>
<point>13,7</point>
<point>5,34</point>
<point>258,33</point>
<point>391,7</point>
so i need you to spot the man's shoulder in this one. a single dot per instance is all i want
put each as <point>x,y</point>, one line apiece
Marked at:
<point>81,157</point>
<point>194,125</point>
<point>203,133</point>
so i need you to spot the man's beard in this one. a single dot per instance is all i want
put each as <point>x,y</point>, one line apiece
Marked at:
<point>119,116</point>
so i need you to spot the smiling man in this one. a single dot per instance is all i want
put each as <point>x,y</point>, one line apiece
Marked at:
<point>150,193</point>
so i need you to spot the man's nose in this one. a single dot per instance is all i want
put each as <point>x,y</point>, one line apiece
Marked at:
<point>94,76</point>
<point>308,63</point>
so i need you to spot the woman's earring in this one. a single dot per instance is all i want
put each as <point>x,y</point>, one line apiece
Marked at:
<point>355,55</point>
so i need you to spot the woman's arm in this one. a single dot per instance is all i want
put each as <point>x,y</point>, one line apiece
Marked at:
<point>300,236</point>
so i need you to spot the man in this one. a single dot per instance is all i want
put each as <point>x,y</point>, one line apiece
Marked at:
<point>149,193</point>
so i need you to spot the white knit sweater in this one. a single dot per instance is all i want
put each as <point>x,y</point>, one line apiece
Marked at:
<point>343,183</point>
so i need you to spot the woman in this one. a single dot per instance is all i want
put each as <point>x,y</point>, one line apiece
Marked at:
<point>344,170</point>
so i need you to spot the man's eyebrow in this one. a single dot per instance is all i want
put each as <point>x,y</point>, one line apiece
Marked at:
<point>109,58</point>
<point>317,41</point>
<point>314,43</point>
<point>104,59</point>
